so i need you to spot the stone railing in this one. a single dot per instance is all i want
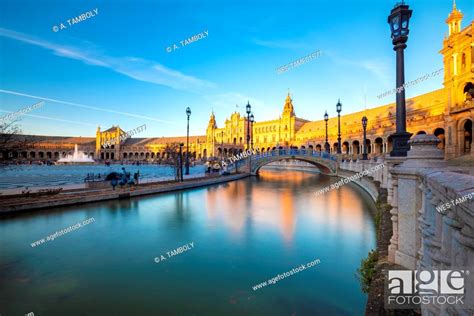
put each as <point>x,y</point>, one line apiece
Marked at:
<point>326,161</point>
<point>423,236</point>
<point>427,235</point>
<point>375,178</point>
<point>361,165</point>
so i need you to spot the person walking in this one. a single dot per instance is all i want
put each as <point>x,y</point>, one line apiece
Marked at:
<point>113,183</point>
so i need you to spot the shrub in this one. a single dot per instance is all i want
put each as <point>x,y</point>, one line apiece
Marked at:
<point>367,270</point>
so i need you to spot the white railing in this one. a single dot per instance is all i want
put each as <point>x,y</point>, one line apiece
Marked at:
<point>378,175</point>
<point>296,152</point>
<point>423,237</point>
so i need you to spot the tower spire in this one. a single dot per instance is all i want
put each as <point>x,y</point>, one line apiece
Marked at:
<point>454,20</point>
<point>288,108</point>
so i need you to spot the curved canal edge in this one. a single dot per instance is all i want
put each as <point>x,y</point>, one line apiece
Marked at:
<point>19,203</point>
<point>372,270</point>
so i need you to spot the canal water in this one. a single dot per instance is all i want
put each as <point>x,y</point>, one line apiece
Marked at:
<point>242,233</point>
<point>20,176</point>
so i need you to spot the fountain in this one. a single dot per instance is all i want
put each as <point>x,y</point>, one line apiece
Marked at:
<point>76,157</point>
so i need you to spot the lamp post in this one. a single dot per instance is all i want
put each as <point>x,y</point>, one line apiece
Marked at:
<point>248,108</point>
<point>398,19</point>
<point>364,125</point>
<point>326,145</point>
<point>222,145</point>
<point>339,109</point>
<point>252,120</point>
<point>180,162</point>
<point>188,113</point>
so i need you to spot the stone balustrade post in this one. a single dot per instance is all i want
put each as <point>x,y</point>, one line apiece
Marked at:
<point>422,223</point>
<point>448,233</point>
<point>407,199</point>
<point>392,200</point>
<point>392,248</point>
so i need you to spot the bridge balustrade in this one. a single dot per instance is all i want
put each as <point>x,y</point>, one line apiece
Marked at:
<point>295,152</point>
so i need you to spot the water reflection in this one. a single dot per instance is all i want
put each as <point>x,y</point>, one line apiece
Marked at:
<point>275,198</point>
<point>245,232</point>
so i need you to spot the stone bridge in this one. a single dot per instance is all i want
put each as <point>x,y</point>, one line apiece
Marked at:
<point>325,162</point>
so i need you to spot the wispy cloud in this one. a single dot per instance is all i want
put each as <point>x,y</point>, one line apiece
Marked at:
<point>285,44</point>
<point>55,119</point>
<point>378,68</point>
<point>61,120</point>
<point>84,106</point>
<point>133,67</point>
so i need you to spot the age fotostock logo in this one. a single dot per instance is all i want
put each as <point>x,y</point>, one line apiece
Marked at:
<point>409,289</point>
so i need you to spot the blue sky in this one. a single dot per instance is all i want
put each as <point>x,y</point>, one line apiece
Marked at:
<point>113,68</point>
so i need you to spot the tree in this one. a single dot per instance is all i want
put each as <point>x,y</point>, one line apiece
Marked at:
<point>11,139</point>
<point>173,159</point>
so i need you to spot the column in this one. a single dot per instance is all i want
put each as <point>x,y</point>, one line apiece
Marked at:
<point>472,137</point>
<point>424,226</point>
<point>393,247</point>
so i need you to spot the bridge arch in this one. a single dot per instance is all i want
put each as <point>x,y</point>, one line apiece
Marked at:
<point>321,166</point>
<point>325,162</point>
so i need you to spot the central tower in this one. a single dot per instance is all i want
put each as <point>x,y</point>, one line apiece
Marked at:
<point>287,125</point>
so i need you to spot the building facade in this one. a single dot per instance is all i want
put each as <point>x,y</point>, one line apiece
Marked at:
<point>447,113</point>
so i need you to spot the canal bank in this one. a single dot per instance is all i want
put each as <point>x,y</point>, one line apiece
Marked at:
<point>371,272</point>
<point>17,203</point>
<point>373,268</point>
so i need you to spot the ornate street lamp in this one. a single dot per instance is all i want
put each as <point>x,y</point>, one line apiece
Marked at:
<point>398,19</point>
<point>326,145</point>
<point>252,120</point>
<point>339,109</point>
<point>364,125</point>
<point>188,113</point>
<point>249,108</point>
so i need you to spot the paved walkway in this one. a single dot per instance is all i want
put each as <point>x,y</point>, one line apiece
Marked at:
<point>83,186</point>
<point>13,203</point>
<point>465,163</point>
